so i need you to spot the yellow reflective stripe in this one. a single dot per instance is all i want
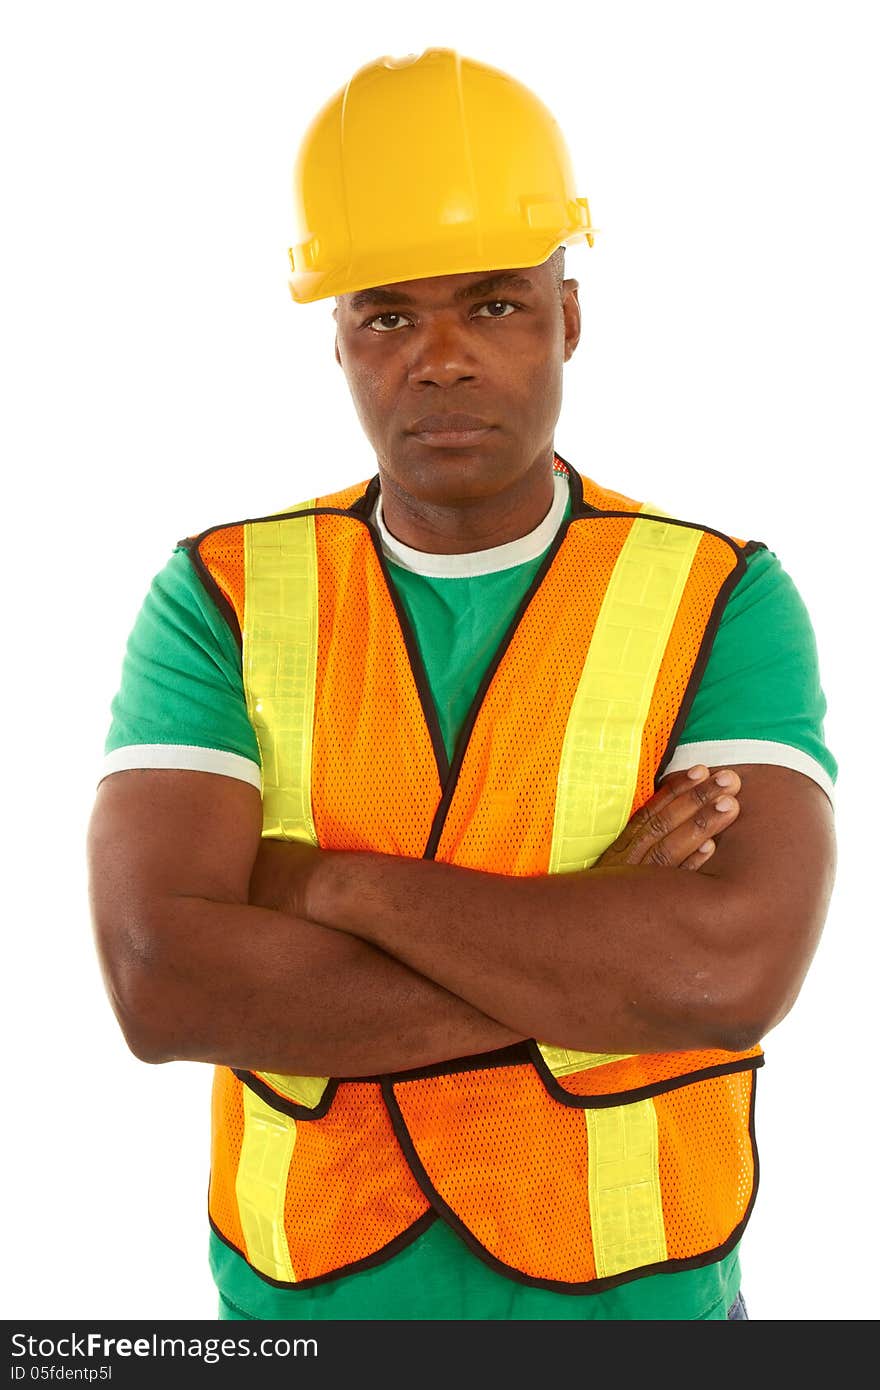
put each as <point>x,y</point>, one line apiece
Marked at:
<point>303,1090</point>
<point>562,1061</point>
<point>626,1212</point>
<point>600,753</point>
<point>261,1186</point>
<point>279,664</point>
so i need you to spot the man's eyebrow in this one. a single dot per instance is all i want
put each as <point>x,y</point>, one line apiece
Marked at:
<point>502,279</point>
<point>363,299</point>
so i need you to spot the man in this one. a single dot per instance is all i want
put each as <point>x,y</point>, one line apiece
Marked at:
<point>399,782</point>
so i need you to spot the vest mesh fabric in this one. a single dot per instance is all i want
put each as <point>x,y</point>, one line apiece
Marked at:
<point>347,1181</point>
<point>696,1195</point>
<point>228,1130</point>
<point>223,554</point>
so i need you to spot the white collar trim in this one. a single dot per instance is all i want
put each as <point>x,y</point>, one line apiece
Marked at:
<point>497,557</point>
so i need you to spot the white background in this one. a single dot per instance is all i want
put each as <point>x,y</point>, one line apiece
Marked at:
<point>159,380</point>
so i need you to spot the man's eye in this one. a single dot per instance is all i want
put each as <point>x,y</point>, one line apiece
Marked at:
<point>384,327</point>
<point>504,304</point>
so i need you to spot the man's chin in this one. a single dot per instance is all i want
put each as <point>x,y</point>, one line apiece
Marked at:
<point>448,477</point>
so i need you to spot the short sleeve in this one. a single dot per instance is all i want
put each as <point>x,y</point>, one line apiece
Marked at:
<point>760,699</point>
<point>181,700</point>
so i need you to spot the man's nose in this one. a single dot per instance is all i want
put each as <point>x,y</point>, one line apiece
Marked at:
<point>443,355</point>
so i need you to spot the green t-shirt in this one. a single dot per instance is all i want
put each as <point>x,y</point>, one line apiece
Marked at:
<point>181,704</point>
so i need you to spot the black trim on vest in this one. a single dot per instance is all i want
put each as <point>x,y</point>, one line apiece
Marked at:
<point>656,1088</point>
<point>210,585</point>
<point>528,1053</point>
<point>752,547</point>
<point>514,1055</point>
<point>362,507</point>
<point>593,1286</point>
<point>290,1107</point>
<point>754,1139</point>
<point>379,1257</point>
<point>416,664</point>
<point>675,521</point>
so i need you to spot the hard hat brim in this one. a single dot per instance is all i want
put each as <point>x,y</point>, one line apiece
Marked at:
<point>419,263</point>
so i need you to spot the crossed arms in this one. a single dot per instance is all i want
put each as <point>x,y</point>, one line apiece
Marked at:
<point>219,947</point>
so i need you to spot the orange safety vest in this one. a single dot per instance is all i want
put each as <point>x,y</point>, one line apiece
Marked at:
<point>567,1170</point>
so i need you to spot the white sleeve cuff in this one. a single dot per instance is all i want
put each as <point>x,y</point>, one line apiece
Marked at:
<point>750,750</point>
<point>185,757</point>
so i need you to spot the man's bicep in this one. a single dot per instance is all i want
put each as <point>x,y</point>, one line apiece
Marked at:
<point>159,838</point>
<point>779,857</point>
<point>160,832</point>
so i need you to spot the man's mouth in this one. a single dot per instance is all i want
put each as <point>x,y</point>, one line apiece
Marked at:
<point>450,431</point>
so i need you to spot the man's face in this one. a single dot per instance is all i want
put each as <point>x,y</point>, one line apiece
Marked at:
<point>457,379</point>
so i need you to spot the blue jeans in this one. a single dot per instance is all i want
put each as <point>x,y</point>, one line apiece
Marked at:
<point>737,1309</point>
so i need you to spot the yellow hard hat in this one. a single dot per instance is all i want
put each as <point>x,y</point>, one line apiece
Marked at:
<point>429,165</point>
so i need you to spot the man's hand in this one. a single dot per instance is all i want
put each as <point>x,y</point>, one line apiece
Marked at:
<point>281,875</point>
<point>674,828</point>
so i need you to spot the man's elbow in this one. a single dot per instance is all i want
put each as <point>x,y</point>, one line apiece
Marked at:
<point>759,952</point>
<point>132,980</point>
<point>143,1024</point>
<point>759,1012</point>
<point>738,1034</point>
<point>751,998</point>
<point>148,1046</point>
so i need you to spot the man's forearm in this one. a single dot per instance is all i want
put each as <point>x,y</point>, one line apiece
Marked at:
<point>246,987</point>
<point>609,960</point>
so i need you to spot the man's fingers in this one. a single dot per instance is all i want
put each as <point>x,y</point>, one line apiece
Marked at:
<point>700,856</point>
<point>690,798</point>
<point>680,844</point>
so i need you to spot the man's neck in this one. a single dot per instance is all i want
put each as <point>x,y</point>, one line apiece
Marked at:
<point>469,524</point>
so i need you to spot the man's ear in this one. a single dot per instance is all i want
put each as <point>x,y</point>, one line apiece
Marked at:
<point>336,339</point>
<point>571,313</point>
